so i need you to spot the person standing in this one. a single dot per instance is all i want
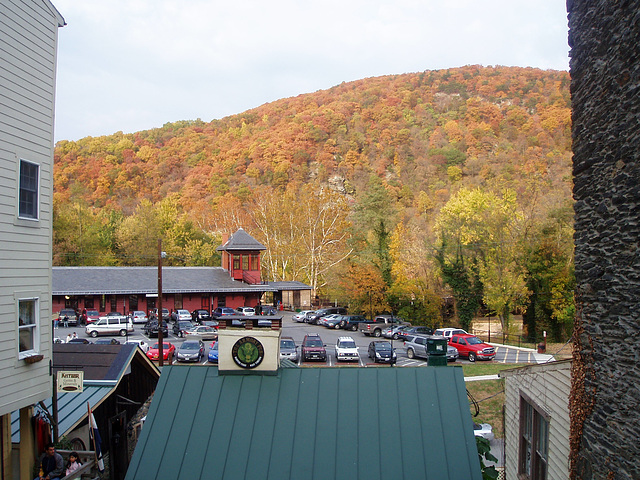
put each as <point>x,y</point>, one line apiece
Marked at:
<point>51,464</point>
<point>69,337</point>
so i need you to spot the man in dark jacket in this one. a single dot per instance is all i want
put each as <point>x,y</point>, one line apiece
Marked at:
<point>51,464</point>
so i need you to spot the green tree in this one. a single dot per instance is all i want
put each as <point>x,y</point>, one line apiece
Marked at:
<point>551,278</point>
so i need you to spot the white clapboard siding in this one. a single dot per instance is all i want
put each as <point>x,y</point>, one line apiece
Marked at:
<point>548,386</point>
<point>28,44</point>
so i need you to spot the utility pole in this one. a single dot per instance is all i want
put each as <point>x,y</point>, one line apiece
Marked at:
<point>160,336</point>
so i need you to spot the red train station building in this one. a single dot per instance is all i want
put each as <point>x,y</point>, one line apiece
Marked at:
<point>238,282</point>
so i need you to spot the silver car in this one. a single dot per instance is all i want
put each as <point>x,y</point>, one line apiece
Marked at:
<point>288,349</point>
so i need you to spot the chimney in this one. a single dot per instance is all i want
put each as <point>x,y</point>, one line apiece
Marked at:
<point>225,255</point>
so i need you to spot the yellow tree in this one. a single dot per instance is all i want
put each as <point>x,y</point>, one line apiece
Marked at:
<point>481,236</point>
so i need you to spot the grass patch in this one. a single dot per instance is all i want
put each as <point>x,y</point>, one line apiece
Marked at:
<point>490,397</point>
<point>488,393</point>
<point>488,368</point>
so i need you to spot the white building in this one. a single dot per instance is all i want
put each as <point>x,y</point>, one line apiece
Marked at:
<point>536,421</point>
<point>28,46</point>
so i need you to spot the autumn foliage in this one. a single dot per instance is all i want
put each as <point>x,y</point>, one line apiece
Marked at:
<point>424,136</point>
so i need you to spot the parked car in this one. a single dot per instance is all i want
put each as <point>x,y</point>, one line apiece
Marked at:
<point>70,314</point>
<point>150,328</point>
<point>107,341</point>
<point>110,325</point>
<point>190,351</point>
<point>248,311</point>
<point>380,322</point>
<point>418,330</point>
<point>347,350</point>
<point>180,314</point>
<point>452,353</point>
<point>210,323</point>
<point>144,346</point>
<point>92,316</point>
<point>395,331</point>
<point>79,340</point>
<point>352,322</point>
<point>223,311</point>
<point>322,321</point>
<point>313,348</point>
<point>180,328</point>
<point>382,352</point>
<point>313,318</point>
<point>417,346</point>
<point>200,315</point>
<point>472,347</point>
<point>213,352</point>
<point>266,310</point>
<point>138,316</point>
<point>332,321</point>
<point>168,351</point>
<point>301,317</point>
<point>449,331</point>
<point>165,314</point>
<point>201,332</point>
<point>483,430</point>
<point>288,349</point>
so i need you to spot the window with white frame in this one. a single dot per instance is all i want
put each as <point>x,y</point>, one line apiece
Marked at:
<point>28,190</point>
<point>28,326</point>
<point>534,441</point>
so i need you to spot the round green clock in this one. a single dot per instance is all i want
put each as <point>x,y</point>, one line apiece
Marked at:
<point>247,352</point>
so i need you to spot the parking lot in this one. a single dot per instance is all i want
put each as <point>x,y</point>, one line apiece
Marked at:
<point>504,354</point>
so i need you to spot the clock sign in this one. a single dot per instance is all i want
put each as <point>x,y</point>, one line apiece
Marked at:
<point>247,352</point>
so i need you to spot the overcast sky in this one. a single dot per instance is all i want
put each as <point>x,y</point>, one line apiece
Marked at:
<point>130,65</point>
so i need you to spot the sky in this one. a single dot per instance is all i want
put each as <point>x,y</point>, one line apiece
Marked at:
<point>131,65</point>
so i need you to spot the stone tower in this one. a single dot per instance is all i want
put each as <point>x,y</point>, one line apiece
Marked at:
<point>604,36</point>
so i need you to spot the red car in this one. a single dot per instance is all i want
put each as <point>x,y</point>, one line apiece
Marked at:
<point>92,316</point>
<point>167,349</point>
<point>472,347</point>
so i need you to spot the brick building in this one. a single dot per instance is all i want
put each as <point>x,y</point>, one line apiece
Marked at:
<point>124,289</point>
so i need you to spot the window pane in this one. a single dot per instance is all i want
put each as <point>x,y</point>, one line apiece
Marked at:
<point>27,323</point>
<point>245,262</point>
<point>255,263</point>
<point>236,262</point>
<point>28,202</point>
<point>27,312</point>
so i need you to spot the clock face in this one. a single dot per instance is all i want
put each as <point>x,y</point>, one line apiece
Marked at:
<point>247,352</point>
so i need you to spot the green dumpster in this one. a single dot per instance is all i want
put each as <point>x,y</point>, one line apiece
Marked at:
<point>436,345</point>
<point>437,361</point>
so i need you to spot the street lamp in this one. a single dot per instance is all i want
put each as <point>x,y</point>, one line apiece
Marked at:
<point>161,255</point>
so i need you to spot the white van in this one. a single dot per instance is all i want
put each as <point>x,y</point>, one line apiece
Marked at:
<point>110,326</point>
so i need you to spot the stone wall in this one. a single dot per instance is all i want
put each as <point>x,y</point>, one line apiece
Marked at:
<point>604,36</point>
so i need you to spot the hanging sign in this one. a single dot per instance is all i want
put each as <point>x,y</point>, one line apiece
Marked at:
<point>70,381</point>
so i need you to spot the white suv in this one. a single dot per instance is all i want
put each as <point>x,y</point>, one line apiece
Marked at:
<point>347,350</point>
<point>448,332</point>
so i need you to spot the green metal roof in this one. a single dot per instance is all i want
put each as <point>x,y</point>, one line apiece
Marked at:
<point>311,423</point>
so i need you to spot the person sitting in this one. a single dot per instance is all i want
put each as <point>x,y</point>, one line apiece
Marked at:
<point>51,464</point>
<point>73,464</point>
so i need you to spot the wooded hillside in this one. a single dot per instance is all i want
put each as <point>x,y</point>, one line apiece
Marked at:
<point>348,185</point>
